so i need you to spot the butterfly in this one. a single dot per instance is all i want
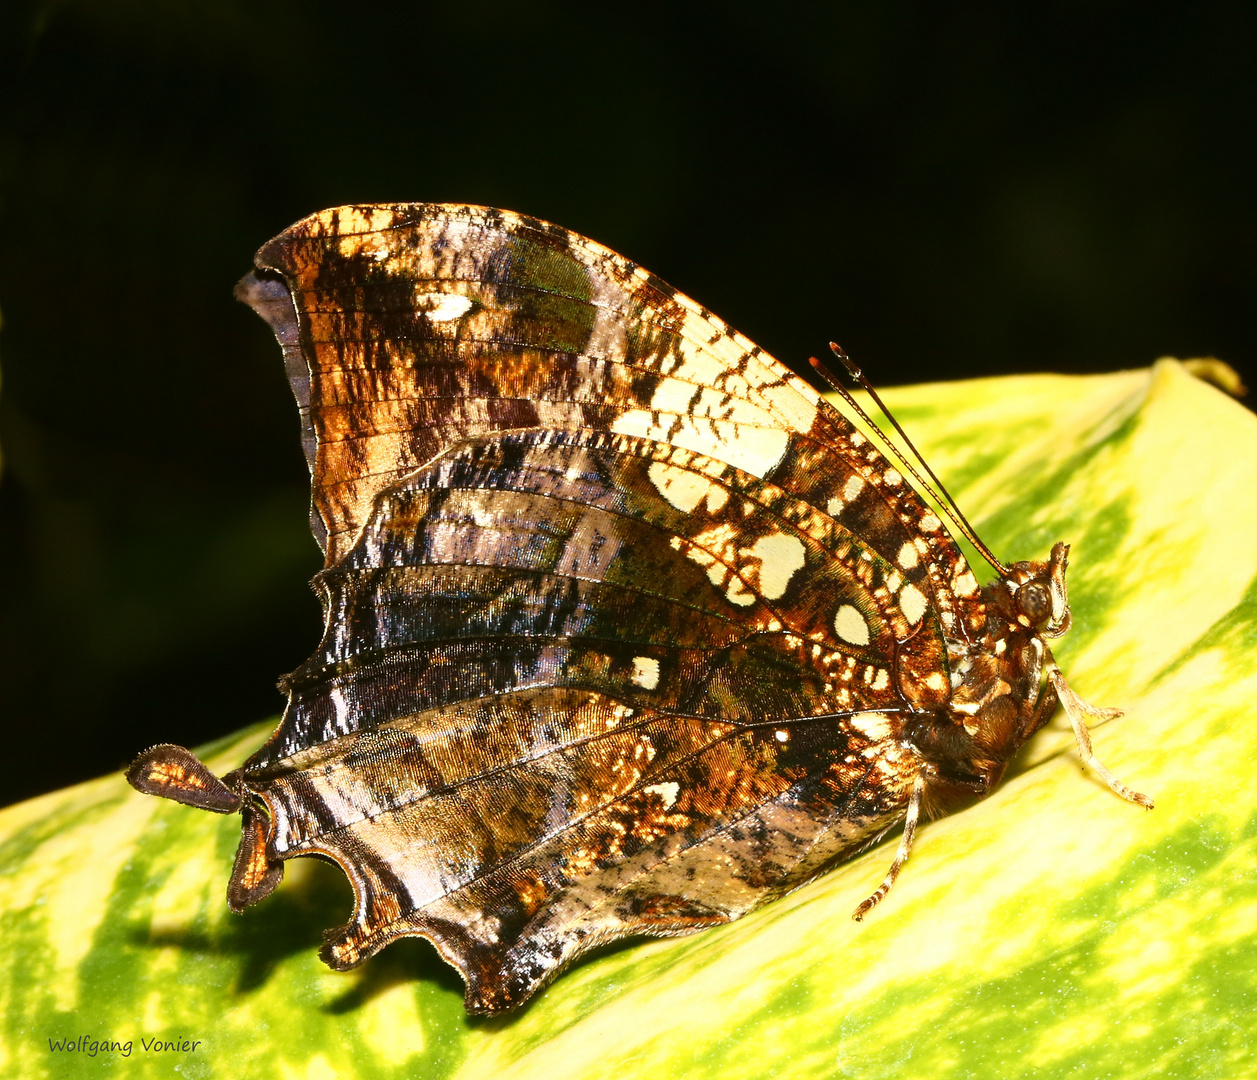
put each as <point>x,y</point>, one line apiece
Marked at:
<point>627,629</point>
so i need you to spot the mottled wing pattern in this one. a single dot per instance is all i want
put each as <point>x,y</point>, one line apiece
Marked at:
<point>621,616</point>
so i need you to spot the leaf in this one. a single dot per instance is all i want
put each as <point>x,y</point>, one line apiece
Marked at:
<point>1052,925</point>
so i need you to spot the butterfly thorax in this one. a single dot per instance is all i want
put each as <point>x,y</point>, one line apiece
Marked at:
<point>998,699</point>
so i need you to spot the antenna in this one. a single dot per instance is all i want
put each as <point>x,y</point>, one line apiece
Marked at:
<point>946,503</point>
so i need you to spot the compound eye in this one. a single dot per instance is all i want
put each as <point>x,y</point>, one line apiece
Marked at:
<point>1034,601</point>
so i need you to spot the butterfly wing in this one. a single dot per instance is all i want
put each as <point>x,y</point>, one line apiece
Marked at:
<point>622,619</point>
<point>408,327</point>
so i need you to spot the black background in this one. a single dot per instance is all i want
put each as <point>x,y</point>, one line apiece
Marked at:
<point>949,190</point>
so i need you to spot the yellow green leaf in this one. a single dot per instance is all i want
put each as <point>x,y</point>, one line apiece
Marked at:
<point>1050,931</point>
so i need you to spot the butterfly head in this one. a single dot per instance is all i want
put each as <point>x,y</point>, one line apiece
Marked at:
<point>1035,593</point>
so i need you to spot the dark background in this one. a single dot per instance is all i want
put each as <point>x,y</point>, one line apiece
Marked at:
<point>949,190</point>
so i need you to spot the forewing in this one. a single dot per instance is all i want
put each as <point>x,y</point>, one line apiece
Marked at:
<point>413,326</point>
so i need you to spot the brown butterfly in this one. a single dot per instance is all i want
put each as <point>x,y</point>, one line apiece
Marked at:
<point>628,631</point>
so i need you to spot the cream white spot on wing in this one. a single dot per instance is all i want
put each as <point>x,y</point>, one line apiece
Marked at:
<point>911,603</point>
<point>667,791</point>
<point>751,448</point>
<point>930,523</point>
<point>834,507</point>
<point>852,487</point>
<point>341,708</point>
<point>851,626</point>
<point>738,592</point>
<point>907,557</point>
<point>966,584</point>
<point>353,219</point>
<point>779,555</point>
<point>673,396</point>
<point>718,540</point>
<point>883,679</point>
<point>685,489</point>
<point>765,568</point>
<point>646,672</point>
<point>872,725</point>
<point>797,409</point>
<point>781,735</point>
<point>695,364</point>
<point>712,422</point>
<point>442,307</point>
<point>892,478</point>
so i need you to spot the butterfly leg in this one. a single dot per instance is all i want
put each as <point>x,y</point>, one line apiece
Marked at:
<point>1078,710</point>
<point>901,856</point>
